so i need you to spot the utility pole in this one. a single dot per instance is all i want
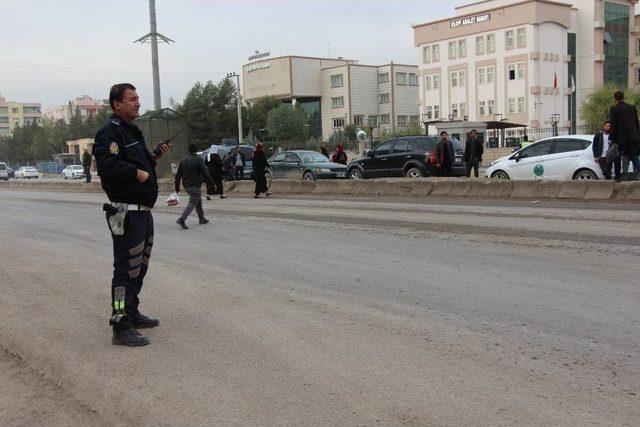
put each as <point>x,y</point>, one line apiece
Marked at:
<point>237,76</point>
<point>152,38</point>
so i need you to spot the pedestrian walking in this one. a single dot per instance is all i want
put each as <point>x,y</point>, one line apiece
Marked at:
<point>127,174</point>
<point>444,155</point>
<point>324,151</point>
<point>216,169</point>
<point>259,171</point>
<point>86,165</point>
<point>625,133</point>
<point>193,172</point>
<point>340,155</point>
<point>239,163</point>
<point>606,153</point>
<point>473,151</point>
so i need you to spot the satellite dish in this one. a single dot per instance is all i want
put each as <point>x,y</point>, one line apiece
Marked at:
<point>361,136</point>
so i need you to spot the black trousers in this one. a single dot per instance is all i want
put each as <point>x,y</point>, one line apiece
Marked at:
<point>445,170</point>
<point>217,179</point>
<point>239,172</point>
<point>261,184</point>
<point>131,253</point>
<point>473,164</point>
<point>87,174</point>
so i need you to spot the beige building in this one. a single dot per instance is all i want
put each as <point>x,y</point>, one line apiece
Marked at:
<point>521,60</point>
<point>85,105</point>
<point>337,92</point>
<point>14,114</point>
<point>78,146</point>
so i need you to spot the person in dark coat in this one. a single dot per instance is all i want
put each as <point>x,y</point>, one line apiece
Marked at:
<point>259,171</point>
<point>216,169</point>
<point>625,132</point>
<point>600,146</point>
<point>86,165</point>
<point>444,155</point>
<point>473,151</point>
<point>192,171</point>
<point>324,151</point>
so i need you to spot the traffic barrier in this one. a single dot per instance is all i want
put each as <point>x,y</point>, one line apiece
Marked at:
<point>419,187</point>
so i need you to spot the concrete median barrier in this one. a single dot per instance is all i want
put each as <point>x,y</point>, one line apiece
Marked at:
<point>401,187</point>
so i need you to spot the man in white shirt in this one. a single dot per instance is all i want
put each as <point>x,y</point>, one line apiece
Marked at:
<point>600,147</point>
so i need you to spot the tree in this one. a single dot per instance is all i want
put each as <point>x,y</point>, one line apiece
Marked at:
<point>595,109</point>
<point>258,111</point>
<point>288,124</point>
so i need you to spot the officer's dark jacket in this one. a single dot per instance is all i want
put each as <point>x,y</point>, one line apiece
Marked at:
<point>192,170</point>
<point>120,150</point>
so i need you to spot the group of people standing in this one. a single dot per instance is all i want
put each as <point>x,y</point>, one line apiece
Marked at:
<point>445,154</point>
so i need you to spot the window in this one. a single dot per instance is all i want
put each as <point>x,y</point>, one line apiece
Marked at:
<point>337,102</point>
<point>372,120</point>
<point>461,78</point>
<point>512,105</point>
<point>426,54</point>
<point>491,43</point>
<point>435,53</point>
<point>462,48</point>
<point>457,78</point>
<point>520,104</point>
<point>522,37</point>
<point>491,109</point>
<point>489,74</point>
<point>452,50</point>
<point>383,149</point>
<point>278,158</point>
<point>429,112</point>
<point>292,158</point>
<point>482,76</point>
<point>383,78</point>
<point>454,110</point>
<point>413,80</point>
<point>15,110</point>
<point>358,120</point>
<point>482,110</point>
<point>538,149</point>
<point>336,80</point>
<point>480,45</point>
<point>401,79</point>
<point>385,119</point>
<point>508,39</point>
<point>436,112</point>
<point>463,109</point>
<point>414,119</point>
<point>401,146</point>
<point>436,81</point>
<point>427,82</point>
<point>338,122</point>
<point>520,70</point>
<point>402,120</point>
<point>384,98</point>
<point>567,145</point>
<point>454,79</point>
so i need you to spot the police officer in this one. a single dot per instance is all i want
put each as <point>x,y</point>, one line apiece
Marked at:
<point>127,173</point>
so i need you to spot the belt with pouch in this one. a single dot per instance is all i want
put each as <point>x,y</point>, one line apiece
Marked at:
<point>133,207</point>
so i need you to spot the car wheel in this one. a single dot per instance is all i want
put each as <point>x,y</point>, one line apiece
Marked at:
<point>355,174</point>
<point>413,172</point>
<point>585,175</point>
<point>308,176</point>
<point>500,175</point>
<point>269,178</point>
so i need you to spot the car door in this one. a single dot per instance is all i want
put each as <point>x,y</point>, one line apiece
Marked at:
<point>276,165</point>
<point>378,164</point>
<point>567,152</point>
<point>292,166</point>
<point>400,154</point>
<point>530,162</point>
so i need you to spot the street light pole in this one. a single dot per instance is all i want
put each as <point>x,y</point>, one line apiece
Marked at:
<point>237,76</point>
<point>555,118</point>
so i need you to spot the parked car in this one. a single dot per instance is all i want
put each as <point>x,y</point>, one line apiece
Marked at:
<point>410,157</point>
<point>557,158</point>
<point>305,165</point>
<point>4,173</point>
<point>27,172</point>
<point>73,172</point>
<point>11,172</point>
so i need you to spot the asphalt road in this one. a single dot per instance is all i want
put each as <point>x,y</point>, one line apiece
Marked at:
<point>328,311</point>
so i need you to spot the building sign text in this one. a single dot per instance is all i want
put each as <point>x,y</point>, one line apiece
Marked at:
<point>258,67</point>
<point>470,20</point>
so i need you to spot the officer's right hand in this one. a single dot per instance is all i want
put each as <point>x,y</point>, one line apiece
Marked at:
<point>142,176</point>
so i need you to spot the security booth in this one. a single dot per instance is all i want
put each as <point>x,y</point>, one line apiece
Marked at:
<point>498,137</point>
<point>461,129</point>
<point>160,125</point>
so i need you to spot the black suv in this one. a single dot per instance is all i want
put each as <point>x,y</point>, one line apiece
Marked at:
<point>412,157</point>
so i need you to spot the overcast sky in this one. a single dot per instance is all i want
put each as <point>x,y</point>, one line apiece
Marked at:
<point>54,50</point>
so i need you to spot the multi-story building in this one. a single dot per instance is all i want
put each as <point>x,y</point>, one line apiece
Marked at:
<point>525,61</point>
<point>14,114</point>
<point>337,92</point>
<point>86,106</point>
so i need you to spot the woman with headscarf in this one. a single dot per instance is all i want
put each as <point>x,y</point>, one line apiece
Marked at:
<point>216,168</point>
<point>340,156</point>
<point>259,171</point>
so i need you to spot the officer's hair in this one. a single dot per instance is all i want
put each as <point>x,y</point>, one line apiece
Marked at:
<point>117,92</point>
<point>618,95</point>
<point>193,148</point>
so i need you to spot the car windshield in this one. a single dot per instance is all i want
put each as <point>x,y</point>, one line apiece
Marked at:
<point>31,169</point>
<point>310,157</point>
<point>76,167</point>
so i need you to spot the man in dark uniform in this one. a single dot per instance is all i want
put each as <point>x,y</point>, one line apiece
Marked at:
<point>127,173</point>
<point>86,165</point>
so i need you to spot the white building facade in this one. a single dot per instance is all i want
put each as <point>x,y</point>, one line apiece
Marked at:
<point>85,105</point>
<point>525,61</point>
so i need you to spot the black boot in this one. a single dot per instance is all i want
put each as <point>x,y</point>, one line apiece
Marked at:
<point>204,221</point>
<point>181,223</point>
<point>140,321</point>
<point>125,335</point>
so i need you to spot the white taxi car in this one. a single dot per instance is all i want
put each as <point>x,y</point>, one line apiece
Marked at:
<point>559,158</point>
<point>73,172</point>
<point>27,172</point>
